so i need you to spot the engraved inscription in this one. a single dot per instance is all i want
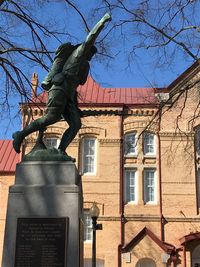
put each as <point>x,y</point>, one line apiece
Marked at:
<point>41,242</point>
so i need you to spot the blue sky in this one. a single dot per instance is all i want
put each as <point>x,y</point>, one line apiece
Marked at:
<point>142,70</point>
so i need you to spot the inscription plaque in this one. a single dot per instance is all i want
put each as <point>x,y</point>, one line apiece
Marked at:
<point>41,242</point>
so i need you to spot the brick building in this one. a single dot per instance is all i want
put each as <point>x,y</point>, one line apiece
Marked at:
<point>138,165</point>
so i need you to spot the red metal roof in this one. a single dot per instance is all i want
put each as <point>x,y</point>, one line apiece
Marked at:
<point>8,157</point>
<point>92,93</point>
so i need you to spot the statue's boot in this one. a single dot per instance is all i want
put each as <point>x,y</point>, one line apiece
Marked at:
<point>65,154</point>
<point>20,135</point>
<point>17,141</point>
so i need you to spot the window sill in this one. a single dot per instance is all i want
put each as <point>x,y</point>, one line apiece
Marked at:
<point>151,204</point>
<point>88,242</point>
<point>131,156</point>
<point>131,203</point>
<point>149,156</point>
<point>88,174</point>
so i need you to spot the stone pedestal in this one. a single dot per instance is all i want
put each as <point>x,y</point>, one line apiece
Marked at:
<point>49,193</point>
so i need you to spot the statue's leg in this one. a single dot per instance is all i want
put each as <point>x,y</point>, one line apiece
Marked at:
<point>41,123</point>
<point>72,116</point>
<point>55,106</point>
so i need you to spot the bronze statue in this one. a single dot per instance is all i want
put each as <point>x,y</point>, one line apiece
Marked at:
<point>70,69</point>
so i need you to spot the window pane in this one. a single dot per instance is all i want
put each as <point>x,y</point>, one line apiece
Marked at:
<point>51,142</point>
<point>87,226</point>
<point>130,186</point>
<point>89,155</point>
<point>198,186</point>
<point>198,141</point>
<point>130,143</point>
<point>149,185</point>
<point>149,143</point>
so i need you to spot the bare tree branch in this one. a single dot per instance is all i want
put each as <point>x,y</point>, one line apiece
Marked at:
<point>79,12</point>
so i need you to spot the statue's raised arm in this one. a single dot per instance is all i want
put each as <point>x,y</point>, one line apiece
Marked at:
<point>85,47</point>
<point>93,34</point>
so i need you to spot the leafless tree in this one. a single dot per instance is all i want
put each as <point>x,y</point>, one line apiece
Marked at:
<point>168,29</point>
<point>24,39</point>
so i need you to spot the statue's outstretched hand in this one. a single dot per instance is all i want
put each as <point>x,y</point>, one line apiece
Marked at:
<point>106,17</point>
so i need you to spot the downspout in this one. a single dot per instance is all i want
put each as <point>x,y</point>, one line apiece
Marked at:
<point>196,175</point>
<point>121,187</point>
<point>162,236</point>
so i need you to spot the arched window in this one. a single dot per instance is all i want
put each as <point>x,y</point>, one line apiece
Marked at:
<point>196,257</point>
<point>89,155</point>
<point>149,143</point>
<point>197,140</point>
<point>130,144</point>
<point>146,263</point>
<point>51,141</point>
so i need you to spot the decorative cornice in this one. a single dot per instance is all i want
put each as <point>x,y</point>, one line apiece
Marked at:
<point>109,142</point>
<point>178,135</point>
<point>180,182</point>
<point>116,112</point>
<point>36,111</point>
<point>134,125</point>
<point>56,130</point>
<point>182,219</point>
<point>142,218</point>
<point>172,194</point>
<point>92,131</point>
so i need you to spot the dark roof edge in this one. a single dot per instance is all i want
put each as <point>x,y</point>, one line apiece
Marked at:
<point>117,105</point>
<point>189,238</point>
<point>168,248</point>
<point>191,71</point>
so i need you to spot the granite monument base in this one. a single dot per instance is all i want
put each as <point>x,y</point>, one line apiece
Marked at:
<point>44,216</point>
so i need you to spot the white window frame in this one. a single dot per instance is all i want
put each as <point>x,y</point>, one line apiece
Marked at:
<point>197,141</point>
<point>132,146</point>
<point>130,174</point>
<point>50,138</point>
<point>147,199</point>
<point>84,156</point>
<point>198,187</point>
<point>147,143</point>
<point>87,220</point>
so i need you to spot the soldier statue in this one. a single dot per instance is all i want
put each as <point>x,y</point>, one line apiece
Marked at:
<point>69,70</point>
